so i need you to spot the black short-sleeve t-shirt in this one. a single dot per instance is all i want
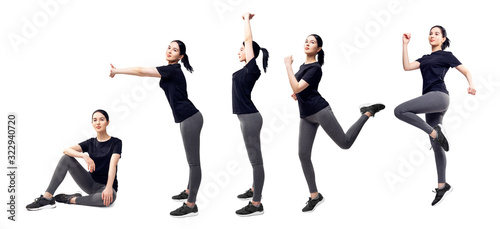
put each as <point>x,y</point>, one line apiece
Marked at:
<point>434,67</point>
<point>243,83</point>
<point>100,153</point>
<point>174,84</point>
<point>310,101</point>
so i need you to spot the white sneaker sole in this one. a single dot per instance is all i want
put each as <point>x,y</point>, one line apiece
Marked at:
<point>186,215</point>
<point>445,135</point>
<point>323,200</point>
<point>252,214</point>
<point>444,196</point>
<point>48,206</point>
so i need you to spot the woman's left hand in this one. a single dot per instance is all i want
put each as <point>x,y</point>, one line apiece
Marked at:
<point>288,60</point>
<point>294,96</point>
<point>107,196</point>
<point>471,90</point>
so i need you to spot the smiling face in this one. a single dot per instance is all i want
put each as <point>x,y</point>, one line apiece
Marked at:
<point>242,56</point>
<point>173,54</point>
<point>99,122</point>
<point>311,46</point>
<point>436,37</point>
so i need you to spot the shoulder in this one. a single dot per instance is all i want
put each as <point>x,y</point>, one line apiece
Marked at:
<point>169,69</point>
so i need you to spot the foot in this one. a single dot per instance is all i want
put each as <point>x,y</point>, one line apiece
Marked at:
<point>184,211</point>
<point>441,137</point>
<point>248,195</point>
<point>373,109</point>
<point>441,193</point>
<point>251,210</point>
<point>41,203</point>
<point>181,197</point>
<point>313,203</point>
<point>65,198</point>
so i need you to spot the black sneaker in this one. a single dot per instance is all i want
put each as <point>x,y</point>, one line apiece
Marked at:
<point>184,211</point>
<point>441,137</point>
<point>41,203</point>
<point>65,198</point>
<point>441,193</point>
<point>248,195</point>
<point>181,197</point>
<point>251,210</point>
<point>313,203</point>
<point>373,109</point>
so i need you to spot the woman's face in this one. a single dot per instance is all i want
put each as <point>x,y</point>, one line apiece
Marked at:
<point>241,54</point>
<point>436,37</point>
<point>173,54</point>
<point>311,46</point>
<point>99,122</point>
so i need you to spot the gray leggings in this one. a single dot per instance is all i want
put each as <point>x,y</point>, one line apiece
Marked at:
<point>190,131</point>
<point>307,133</point>
<point>251,124</point>
<point>82,178</point>
<point>434,104</point>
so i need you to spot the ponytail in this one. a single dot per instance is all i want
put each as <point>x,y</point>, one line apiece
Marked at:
<point>185,59</point>
<point>321,57</point>
<point>446,43</point>
<point>185,62</point>
<point>265,58</point>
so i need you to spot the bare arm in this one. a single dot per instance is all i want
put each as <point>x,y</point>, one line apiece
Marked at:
<point>407,66</point>
<point>248,36</point>
<point>297,86</point>
<point>471,90</point>
<point>107,194</point>
<point>136,71</point>
<point>77,152</point>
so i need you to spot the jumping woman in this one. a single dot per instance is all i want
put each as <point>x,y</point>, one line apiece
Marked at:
<point>173,82</point>
<point>250,118</point>
<point>99,182</point>
<point>434,101</point>
<point>315,111</point>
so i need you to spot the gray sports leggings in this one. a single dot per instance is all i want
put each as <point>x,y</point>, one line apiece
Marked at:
<point>434,104</point>
<point>307,133</point>
<point>190,131</point>
<point>251,124</point>
<point>82,178</point>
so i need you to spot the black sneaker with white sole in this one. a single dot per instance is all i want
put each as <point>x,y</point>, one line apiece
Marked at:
<point>65,198</point>
<point>441,193</point>
<point>313,203</point>
<point>441,137</point>
<point>184,211</point>
<point>248,195</point>
<point>251,210</point>
<point>181,197</point>
<point>41,203</point>
<point>373,109</point>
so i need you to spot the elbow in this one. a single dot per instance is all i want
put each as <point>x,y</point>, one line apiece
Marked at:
<point>139,71</point>
<point>406,68</point>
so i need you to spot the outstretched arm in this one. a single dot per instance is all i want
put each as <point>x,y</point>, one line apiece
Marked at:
<point>471,90</point>
<point>248,36</point>
<point>407,66</point>
<point>297,86</point>
<point>107,194</point>
<point>136,71</point>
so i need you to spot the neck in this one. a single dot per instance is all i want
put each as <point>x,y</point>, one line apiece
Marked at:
<point>310,59</point>
<point>436,48</point>
<point>173,62</point>
<point>103,136</point>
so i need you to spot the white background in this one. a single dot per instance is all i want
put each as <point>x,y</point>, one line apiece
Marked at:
<point>57,75</point>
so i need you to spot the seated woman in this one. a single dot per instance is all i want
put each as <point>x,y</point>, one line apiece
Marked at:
<point>100,182</point>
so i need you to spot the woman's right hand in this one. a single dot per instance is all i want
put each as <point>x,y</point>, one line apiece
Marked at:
<point>111,73</point>
<point>247,15</point>
<point>294,96</point>
<point>90,163</point>
<point>288,60</point>
<point>406,38</point>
